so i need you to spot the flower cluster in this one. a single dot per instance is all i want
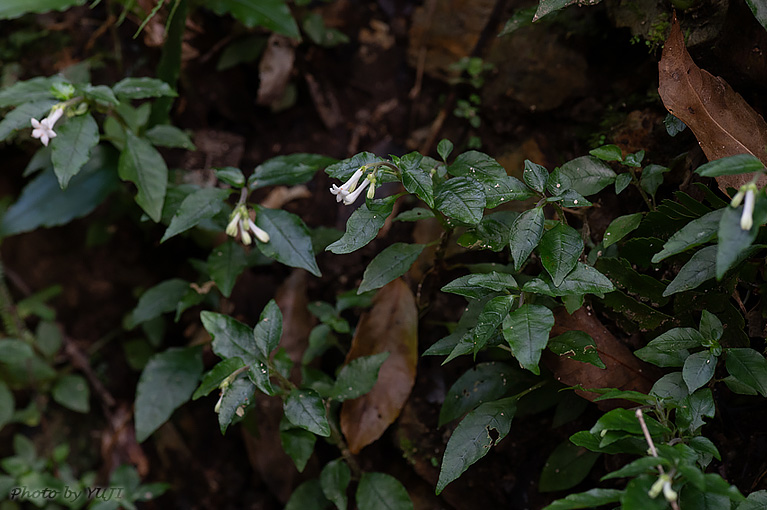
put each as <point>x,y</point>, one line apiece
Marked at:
<point>349,192</point>
<point>43,129</point>
<point>747,192</point>
<point>240,222</point>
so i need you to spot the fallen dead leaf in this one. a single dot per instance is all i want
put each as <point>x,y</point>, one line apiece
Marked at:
<point>623,370</point>
<point>281,195</point>
<point>275,69</point>
<point>390,326</point>
<point>722,121</point>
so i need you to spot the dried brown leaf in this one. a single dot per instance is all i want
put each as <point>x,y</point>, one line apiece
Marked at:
<point>722,121</point>
<point>623,370</point>
<point>390,326</point>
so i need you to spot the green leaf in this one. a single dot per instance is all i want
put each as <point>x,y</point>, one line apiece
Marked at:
<point>334,479</point>
<point>165,135</point>
<point>357,377</point>
<point>710,326</point>
<point>731,165</point>
<point>305,409</point>
<point>548,6</point>
<point>492,232</point>
<point>478,166</point>
<point>44,204</point>
<point>698,369</point>
<point>482,383</point>
<point>460,198</point>
<point>625,420</point>
<point>576,345</point>
<point>526,329</point>
<point>298,443</point>
<point>160,299</point>
<point>472,439</point>
<point>526,233</point>
<point>691,497</point>
<point>652,178</point>
<point>100,93</point>
<point>10,9</point>
<point>643,465</point>
<point>415,214</point>
<point>141,164</point>
<point>231,176</point>
<point>391,263</point>
<point>506,189</point>
<point>586,175</point>
<point>487,323</point>
<point>231,338</point>
<point>379,491</point>
<point>622,182</point>
<point>756,500</point>
<point>760,13</point>
<point>215,376</point>
<point>272,14</point>
<point>308,496</point>
<point>234,396</point>
<point>607,153</point>
<point>290,242</point>
<point>695,233</point>
<point>19,118</point>
<point>344,169</point>
<point>620,227</point>
<point>363,226</point>
<point>567,466</point>
<point>36,89</point>
<point>197,206</point>
<point>584,279</point>
<point>268,330</point>
<point>748,367</point>
<point>560,249</point>
<point>671,388</point>
<point>677,339</point>
<point>288,170</point>
<point>733,240</point>
<point>167,381</point>
<point>72,147</point>
<point>142,88</point>
<point>535,176</point>
<point>225,263</point>
<point>674,126</point>
<point>589,499</point>
<point>444,148</point>
<point>7,405</point>
<point>415,179</point>
<point>481,285</point>
<point>72,392</point>
<point>700,268</point>
<point>694,407</point>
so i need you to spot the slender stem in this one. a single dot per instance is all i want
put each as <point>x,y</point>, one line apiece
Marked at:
<point>640,416</point>
<point>530,389</point>
<point>645,197</point>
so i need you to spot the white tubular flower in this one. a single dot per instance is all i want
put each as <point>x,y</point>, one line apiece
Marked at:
<point>231,228</point>
<point>341,192</point>
<point>244,235</point>
<point>350,198</point>
<point>261,234</point>
<point>747,217</point>
<point>669,493</point>
<point>43,129</point>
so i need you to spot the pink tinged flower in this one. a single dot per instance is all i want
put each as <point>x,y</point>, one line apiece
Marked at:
<point>747,217</point>
<point>43,129</point>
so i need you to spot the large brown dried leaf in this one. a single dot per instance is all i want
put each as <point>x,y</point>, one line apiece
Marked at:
<point>722,121</point>
<point>623,370</point>
<point>390,326</point>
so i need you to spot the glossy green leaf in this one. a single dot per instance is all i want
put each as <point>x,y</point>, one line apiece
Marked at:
<point>379,491</point>
<point>671,388</point>
<point>484,382</point>
<point>635,495</point>
<point>141,164</point>
<point>334,479</point>
<point>357,377</point>
<point>548,6</point>
<point>478,166</point>
<point>677,339</point>
<point>268,329</point>
<point>625,420</point>
<point>414,214</point>
<point>444,148</point>
<point>100,93</point>
<point>567,466</point>
<point>44,204</point>
<point>176,372</point>
<point>344,169</point>
<point>308,496</point>
<point>642,465</point>
<point>733,240</point>
<point>272,14</point>
<point>589,499</point>
<point>415,179</point>
<point>199,205</point>
<point>363,226</point>
<point>481,285</point>
<point>577,345</point>
<point>504,190</point>
<point>584,279</point>
<point>72,391</point>
<point>305,409</point>
<point>694,408</point>
<point>472,439</point>
<point>141,88</point>
<point>36,89</point>
<point>526,329</point>
<point>586,175</point>
<point>288,170</point>
<point>759,9</point>
<point>695,233</point>
<point>19,117</point>
<point>560,249</point>
<point>731,165</point>
<point>526,233</point>
<point>165,135</point>
<point>231,338</point>
<point>394,261</point>
<point>700,268</point>
<point>624,275</point>
<point>160,299</point>
<point>460,198</point>
<point>290,242</point>
<point>607,153</point>
<point>235,396</point>
<point>622,182</point>
<point>298,443</point>
<point>492,232</point>
<point>216,375</point>
<point>691,497</point>
<point>535,176</point>
<point>710,326</point>
<point>620,227</point>
<point>225,263</point>
<point>756,500</point>
<point>231,176</point>
<point>749,367</point>
<point>652,178</point>
<point>698,369</point>
<point>71,149</point>
<point>487,323</point>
